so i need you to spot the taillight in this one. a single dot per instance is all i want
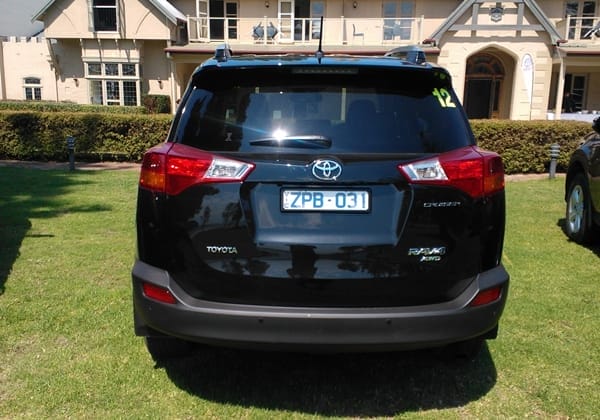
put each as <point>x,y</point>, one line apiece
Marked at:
<point>153,174</point>
<point>486,296</point>
<point>158,293</point>
<point>475,171</point>
<point>171,168</point>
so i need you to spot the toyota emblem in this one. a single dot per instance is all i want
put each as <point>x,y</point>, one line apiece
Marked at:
<point>326,169</point>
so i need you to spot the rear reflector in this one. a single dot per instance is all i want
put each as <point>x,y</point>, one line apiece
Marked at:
<point>172,168</point>
<point>475,171</point>
<point>486,296</point>
<point>158,293</point>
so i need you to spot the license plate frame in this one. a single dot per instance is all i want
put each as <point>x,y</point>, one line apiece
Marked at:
<point>349,200</point>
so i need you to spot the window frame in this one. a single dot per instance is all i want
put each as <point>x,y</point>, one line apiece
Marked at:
<point>398,16</point>
<point>577,85</point>
<point>95,9</point>
<point>33,86</point>
<point>582,20</point>
<point>113,88</point>
<point>318,8</point>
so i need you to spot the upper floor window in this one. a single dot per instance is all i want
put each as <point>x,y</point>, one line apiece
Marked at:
<point>398,19</point>
<point>104,13</point>
<point>317,9</point>
<point>582,13</point>
<point>33,88</point>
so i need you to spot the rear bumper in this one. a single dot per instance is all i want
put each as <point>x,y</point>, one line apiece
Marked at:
<point>294,328</point>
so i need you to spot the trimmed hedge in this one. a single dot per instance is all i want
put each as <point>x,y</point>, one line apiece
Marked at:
<point>39,106</point>
<point>524,145</point>
<point>42,135</point>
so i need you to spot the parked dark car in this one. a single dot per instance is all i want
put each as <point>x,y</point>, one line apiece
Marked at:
<point>319,203</point>
<point>582,189</point>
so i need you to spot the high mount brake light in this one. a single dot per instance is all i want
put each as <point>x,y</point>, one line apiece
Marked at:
<point>475,171</point>
<point>172,168</point>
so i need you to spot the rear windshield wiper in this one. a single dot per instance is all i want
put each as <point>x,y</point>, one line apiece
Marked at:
<point>301,142</point>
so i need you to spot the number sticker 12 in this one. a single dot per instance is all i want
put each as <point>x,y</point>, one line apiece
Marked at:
<point>444,98</point>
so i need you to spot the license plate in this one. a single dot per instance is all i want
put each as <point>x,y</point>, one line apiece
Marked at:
<point>325,200</point>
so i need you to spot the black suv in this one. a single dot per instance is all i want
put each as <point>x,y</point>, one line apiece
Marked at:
<point>319,203</point>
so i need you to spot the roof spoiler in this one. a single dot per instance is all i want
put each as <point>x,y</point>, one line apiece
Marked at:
<point>410,53</point>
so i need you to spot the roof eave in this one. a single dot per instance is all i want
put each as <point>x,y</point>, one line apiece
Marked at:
<point>173,15</point>
<point>43,10</point>
<point>462,8</point>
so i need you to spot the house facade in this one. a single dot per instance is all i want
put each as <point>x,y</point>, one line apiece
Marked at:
<point>509,60</point>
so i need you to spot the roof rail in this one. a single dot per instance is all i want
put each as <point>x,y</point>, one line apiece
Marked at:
<point>410,53</point>
<point>223,53</point>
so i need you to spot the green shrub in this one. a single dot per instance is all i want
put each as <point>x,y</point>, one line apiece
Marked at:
<point>525,145</point>
<point>157,104</point>
<point>42,135</point>
<point>40,106</point>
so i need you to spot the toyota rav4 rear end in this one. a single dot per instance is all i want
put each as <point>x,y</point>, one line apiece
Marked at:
<point>319,204</point>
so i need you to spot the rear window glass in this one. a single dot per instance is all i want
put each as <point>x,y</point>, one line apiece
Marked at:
<point>340,109</point>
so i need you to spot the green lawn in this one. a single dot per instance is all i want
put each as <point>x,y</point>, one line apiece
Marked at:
<point>68,349</point>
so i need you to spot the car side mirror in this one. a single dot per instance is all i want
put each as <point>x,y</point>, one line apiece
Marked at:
<point>596,125</point>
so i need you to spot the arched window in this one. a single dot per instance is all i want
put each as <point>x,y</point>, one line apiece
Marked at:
<point>32,87</point>
<point>485,65</point>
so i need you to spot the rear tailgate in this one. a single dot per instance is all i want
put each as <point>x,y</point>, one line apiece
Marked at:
<point>412,245</point>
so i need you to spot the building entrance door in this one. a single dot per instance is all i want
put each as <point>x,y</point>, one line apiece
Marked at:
<point>483,87</point>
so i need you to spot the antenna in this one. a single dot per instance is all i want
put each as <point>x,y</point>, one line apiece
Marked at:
<point>320,53</point>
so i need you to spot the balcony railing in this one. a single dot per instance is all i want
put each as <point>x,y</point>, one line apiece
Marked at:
<point>336,31</point>
<point>579,29</point>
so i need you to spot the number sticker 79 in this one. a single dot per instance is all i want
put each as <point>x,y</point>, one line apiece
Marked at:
<point>444,98</point>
